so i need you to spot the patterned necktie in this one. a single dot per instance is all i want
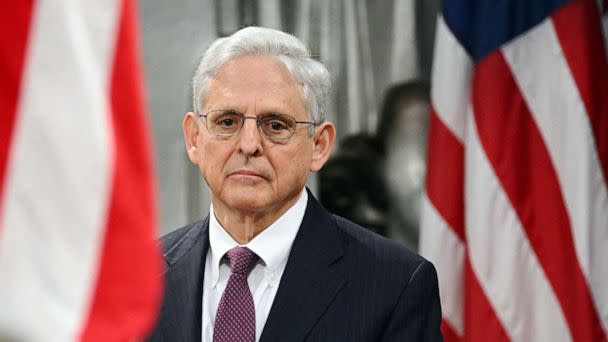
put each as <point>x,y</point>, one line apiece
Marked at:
<point>235,318</point>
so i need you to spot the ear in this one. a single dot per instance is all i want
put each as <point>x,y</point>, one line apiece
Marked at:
<point>323,140</point>
<point>190,128</point>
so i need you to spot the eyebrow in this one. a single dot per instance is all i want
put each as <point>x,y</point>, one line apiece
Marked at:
<point>254,114</point>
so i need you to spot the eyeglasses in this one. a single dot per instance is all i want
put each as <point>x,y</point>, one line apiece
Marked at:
<point>274,126</point>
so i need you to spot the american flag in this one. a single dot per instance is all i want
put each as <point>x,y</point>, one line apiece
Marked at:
<point>515,212</point>
<point>78,259</point>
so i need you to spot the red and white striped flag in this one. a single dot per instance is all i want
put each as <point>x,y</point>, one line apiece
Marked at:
<point>515,214</point>
<point>78,260</point>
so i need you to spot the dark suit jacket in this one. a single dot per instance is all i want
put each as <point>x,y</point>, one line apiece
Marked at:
<point>341,283</point>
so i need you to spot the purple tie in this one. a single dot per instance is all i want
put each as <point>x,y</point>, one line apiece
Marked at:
<point>235,318</point>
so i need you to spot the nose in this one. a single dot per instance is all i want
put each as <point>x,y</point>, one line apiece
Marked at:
<point>250,142</point>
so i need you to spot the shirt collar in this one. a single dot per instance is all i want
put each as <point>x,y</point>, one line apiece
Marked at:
<point>272,245</point>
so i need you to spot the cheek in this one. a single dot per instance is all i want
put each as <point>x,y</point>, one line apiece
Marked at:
<point>210,171</point>
<point>299,162</point>
<point>212,161</point>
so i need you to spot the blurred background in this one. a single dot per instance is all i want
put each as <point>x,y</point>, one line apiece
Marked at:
<point>515,203</point>
<point>379,54</point>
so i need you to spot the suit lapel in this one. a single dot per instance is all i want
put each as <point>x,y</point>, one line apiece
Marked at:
<point>182,310</point>
<point>312,278</point>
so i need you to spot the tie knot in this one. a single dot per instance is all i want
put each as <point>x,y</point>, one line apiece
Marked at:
<point>241,260</point>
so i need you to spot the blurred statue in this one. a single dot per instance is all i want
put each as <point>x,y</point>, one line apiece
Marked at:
<point>352,184</point>
<point>402,140</point>
<point>377,181</point>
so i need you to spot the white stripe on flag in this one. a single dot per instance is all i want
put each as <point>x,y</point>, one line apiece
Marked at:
<point>542,72</point>
<point>501,256</point>
<point>58,178</point>
<point>451,80</point>
<point>440,245</point>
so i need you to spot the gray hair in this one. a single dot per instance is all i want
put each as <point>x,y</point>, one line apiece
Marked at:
<point>312,76</point>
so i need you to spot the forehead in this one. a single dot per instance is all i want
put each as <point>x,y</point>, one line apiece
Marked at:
<point>254,83</point>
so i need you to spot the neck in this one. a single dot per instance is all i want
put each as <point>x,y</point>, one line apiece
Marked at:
<point>244,225</point>
<point>241,227</point>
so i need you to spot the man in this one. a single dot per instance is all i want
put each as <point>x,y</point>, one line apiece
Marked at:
<point>269,263</point>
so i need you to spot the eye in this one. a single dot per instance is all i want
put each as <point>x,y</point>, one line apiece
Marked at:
<point>226,120</point>
<point>276,122</point>
<point>277,125</point>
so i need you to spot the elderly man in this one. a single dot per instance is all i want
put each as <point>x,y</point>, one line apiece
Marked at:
<point>269,263</point>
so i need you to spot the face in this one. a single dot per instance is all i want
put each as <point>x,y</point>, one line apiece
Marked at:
<point>248,173</point>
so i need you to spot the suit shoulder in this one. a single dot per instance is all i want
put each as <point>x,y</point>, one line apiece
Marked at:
<point>170,239</point>
<point>377,249</point>
<point>174,238</point>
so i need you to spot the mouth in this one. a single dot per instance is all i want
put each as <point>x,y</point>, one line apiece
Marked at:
<point>246,174</point>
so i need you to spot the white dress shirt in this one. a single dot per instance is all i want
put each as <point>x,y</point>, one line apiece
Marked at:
<point>272,245</point>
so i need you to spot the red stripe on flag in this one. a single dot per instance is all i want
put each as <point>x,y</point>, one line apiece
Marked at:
<point>15,27</point>
<point>128,290</point>
<point>579,32</point>
<point>522,164</point>
<point>445,174</point>
<point>481,321</point>
<point>449,334</point>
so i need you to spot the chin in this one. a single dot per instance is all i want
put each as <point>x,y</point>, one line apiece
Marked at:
<point>247,198</point>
